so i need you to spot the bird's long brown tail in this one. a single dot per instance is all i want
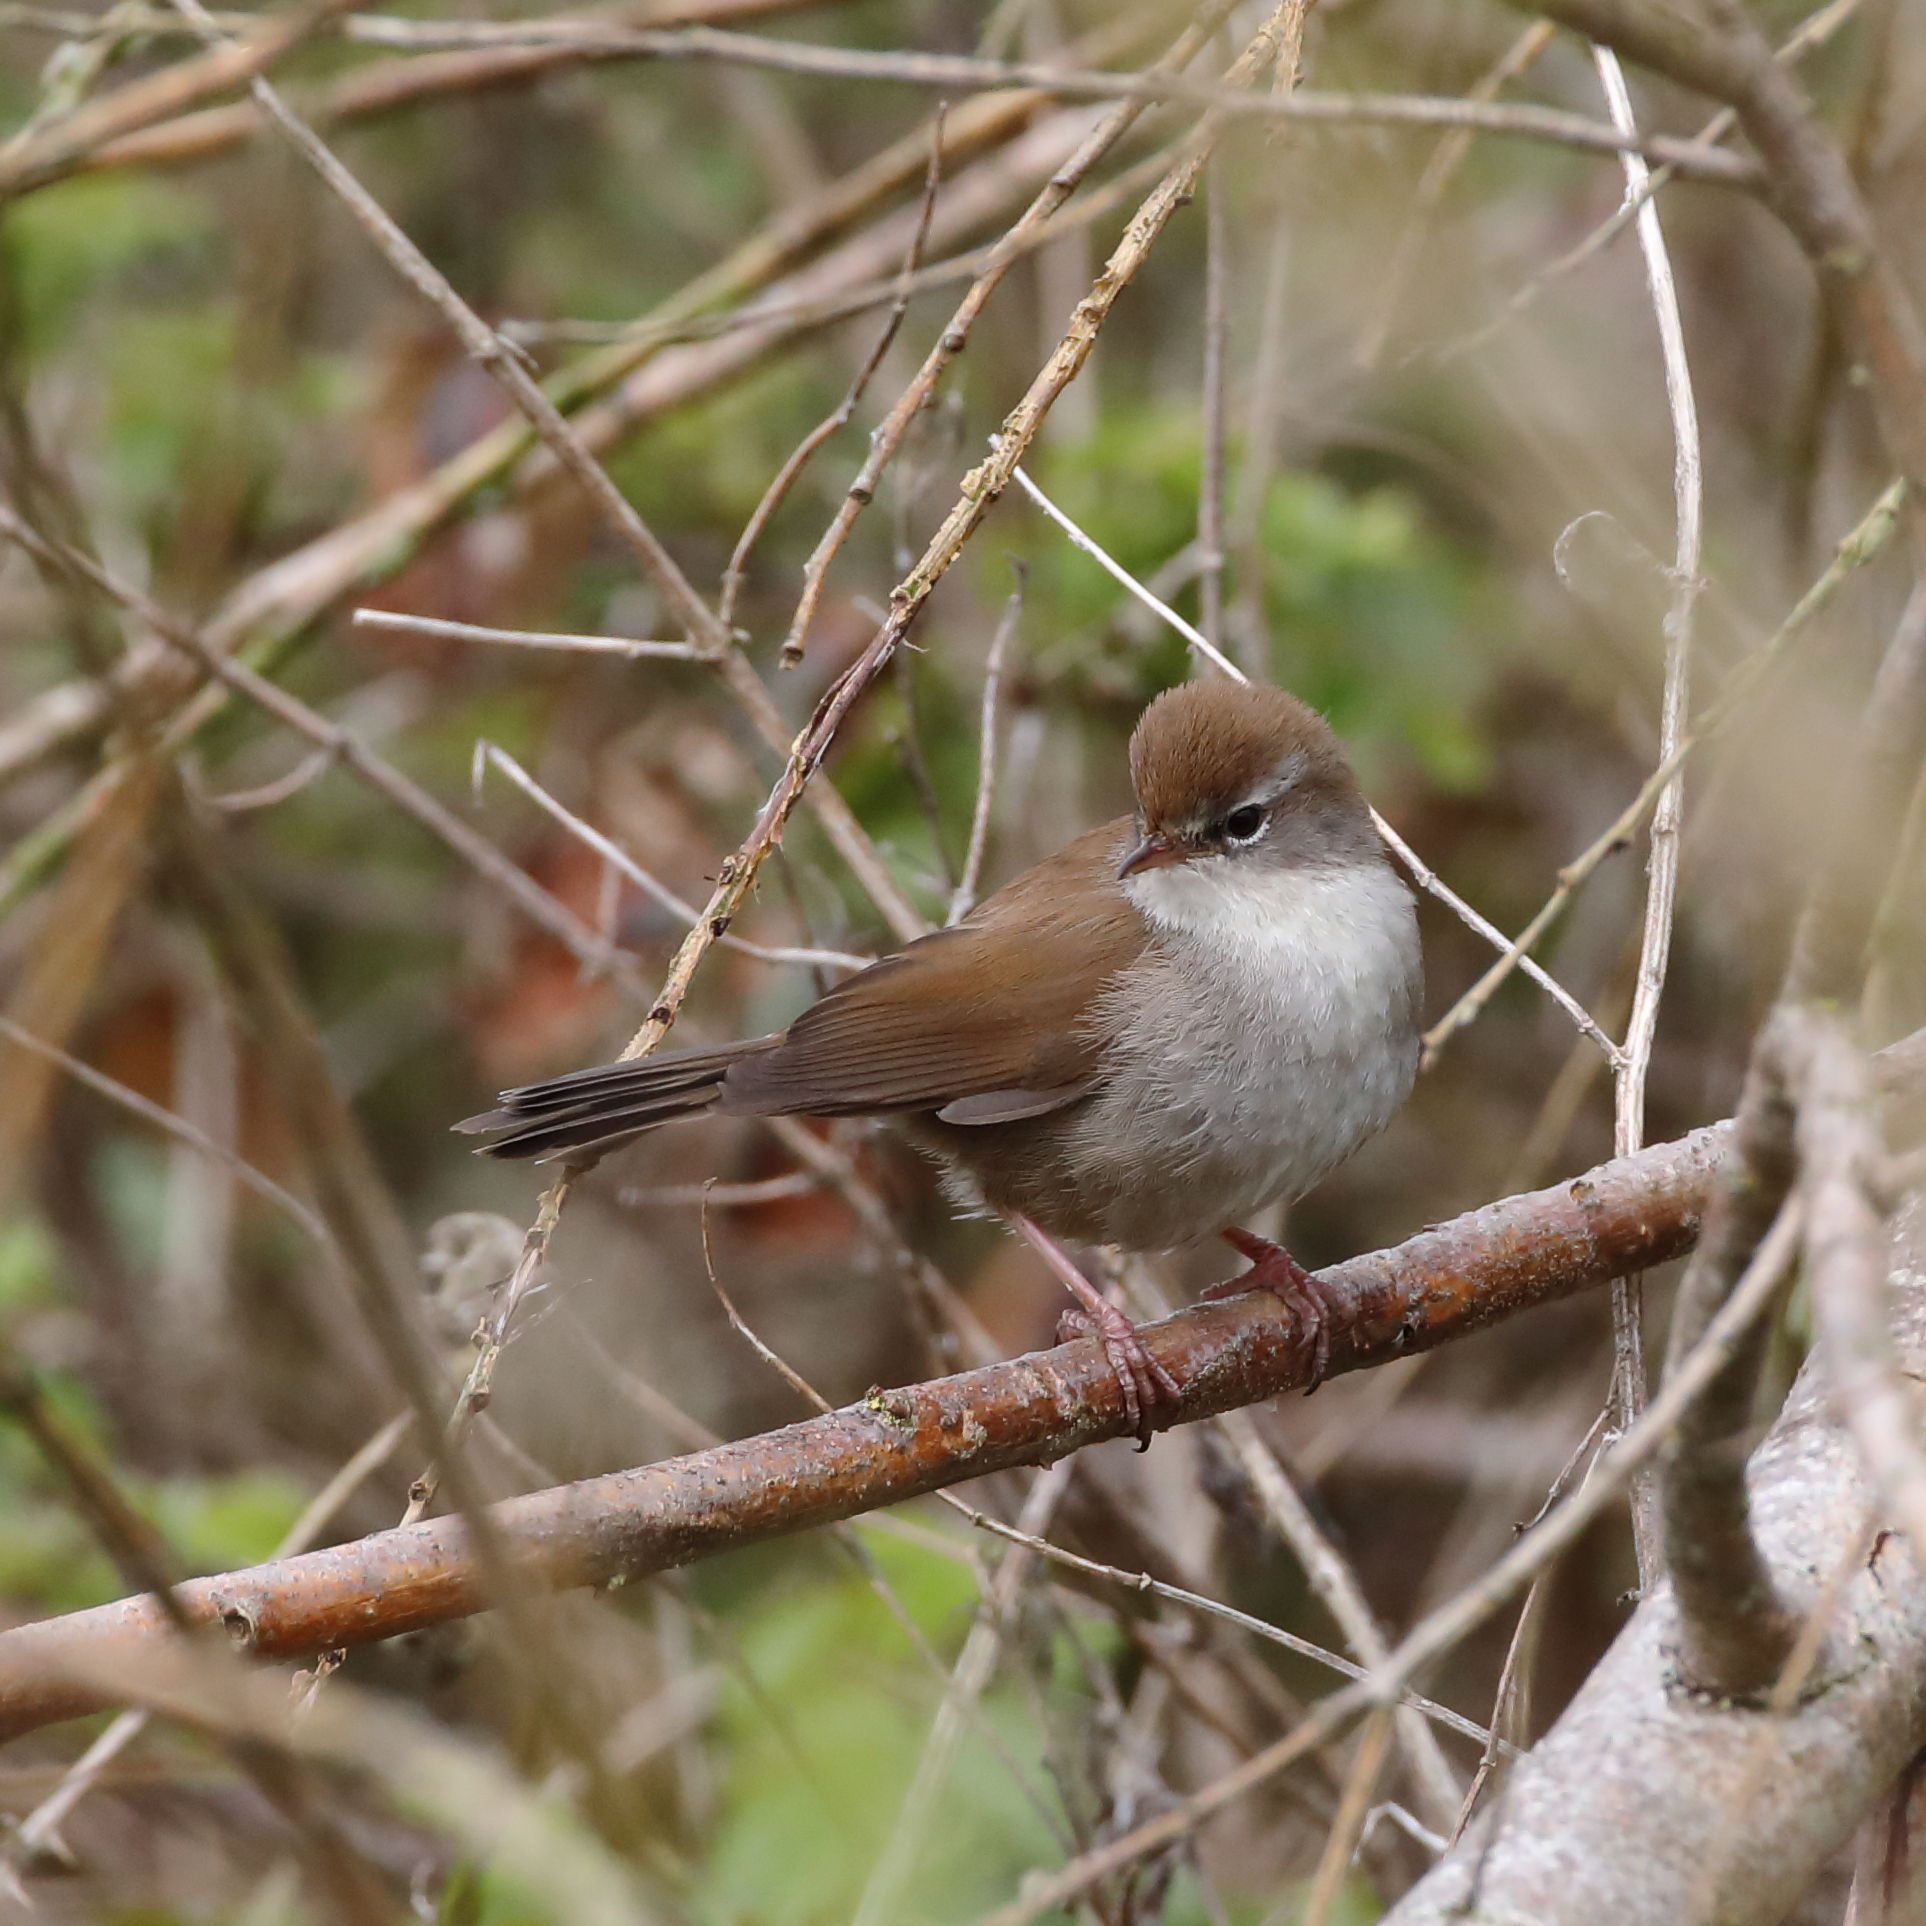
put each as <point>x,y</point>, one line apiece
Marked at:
<point>591,1111</point>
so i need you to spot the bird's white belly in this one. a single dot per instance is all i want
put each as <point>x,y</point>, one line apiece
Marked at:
<point>1268,1032</point>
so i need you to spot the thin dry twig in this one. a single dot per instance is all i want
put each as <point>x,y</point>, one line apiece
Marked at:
<point>963,73</point>
<point>969,880</point>
<point>433,625</point>
<point>1079,539</point>
<point>551,917</point>
<point>1854,552</point>
<point>1210,480</point>
<point>488,755</point>
<point>177,1127</point>
<point>1336,1584</point>
<point>1662,866</point>
<point>1426,878</point>
<point>887,439</point>
<point>1209,1607</point>
<point>1347,1828</point>
<point>838,418</point>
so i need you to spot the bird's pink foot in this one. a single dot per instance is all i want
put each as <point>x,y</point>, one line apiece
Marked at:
<point>1144,1382</point>
<point>1314,1306</point>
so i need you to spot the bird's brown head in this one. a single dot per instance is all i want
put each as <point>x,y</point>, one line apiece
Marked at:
<point>1235,770</point>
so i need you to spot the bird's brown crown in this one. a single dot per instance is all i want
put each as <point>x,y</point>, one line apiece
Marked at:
<point>1202,748</point>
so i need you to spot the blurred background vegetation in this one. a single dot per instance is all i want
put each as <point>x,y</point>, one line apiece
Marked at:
<point>1447,478</point>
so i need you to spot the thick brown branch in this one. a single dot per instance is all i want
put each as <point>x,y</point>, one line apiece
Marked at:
<point>1442,1284</point>
<point>1450,1280</point>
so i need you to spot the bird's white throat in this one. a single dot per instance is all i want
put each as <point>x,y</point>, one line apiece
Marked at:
<point>1224,900</point>
<point>1345,932</point>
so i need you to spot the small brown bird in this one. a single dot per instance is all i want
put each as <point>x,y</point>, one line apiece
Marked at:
<point>1178,1019</point>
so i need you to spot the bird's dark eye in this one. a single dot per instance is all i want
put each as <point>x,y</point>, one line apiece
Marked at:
<point>1241,825</point>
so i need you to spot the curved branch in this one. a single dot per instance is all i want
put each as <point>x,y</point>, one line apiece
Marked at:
<point>1650,1802</point>
<point>1448,1281</point>
<point>1442,1284</point>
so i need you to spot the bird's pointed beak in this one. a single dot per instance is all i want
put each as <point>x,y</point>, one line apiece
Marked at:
<point>1154,852</point>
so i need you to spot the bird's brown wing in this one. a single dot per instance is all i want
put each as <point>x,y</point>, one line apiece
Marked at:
<point>984,1022</point>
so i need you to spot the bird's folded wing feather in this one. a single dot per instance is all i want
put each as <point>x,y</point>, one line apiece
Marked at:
<point>992,1017</point>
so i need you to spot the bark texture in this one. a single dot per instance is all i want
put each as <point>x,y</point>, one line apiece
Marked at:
<point>1648,1804</point>
<point>1446,1282</point>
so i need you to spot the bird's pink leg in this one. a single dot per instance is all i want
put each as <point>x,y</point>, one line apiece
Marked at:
<point>1313,1304</point>
<point>1144,1382</point>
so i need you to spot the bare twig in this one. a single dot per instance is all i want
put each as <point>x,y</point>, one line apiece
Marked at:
<point>1341,1842</point>
<point>527,638</point>
<point>963,897</point>
<point>1854,551</point>
<point>1662,868</point>
<point>1197,639</point>
<point>962,73</point>
<point>838,418</point>
<point>888,437</point>
<point>1426,878</point>
<point>548,915</point>
<point>177,1127</point>
<point>1337,1585</point>
<point>1210,479</point>
<point>1208,1607</point>
<point>489,755</point>
<point>1627,1215</point>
